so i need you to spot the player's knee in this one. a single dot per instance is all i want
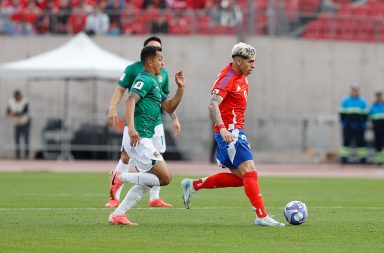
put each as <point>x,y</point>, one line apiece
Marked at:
<point>165,180</point>
<point>124,157</point>
<point>248,166</point>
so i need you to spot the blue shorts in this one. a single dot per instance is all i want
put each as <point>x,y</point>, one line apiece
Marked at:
<point>231,155</point>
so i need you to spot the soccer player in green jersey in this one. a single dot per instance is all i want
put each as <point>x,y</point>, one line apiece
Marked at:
<point>142,108</point>
<point>125,83</point>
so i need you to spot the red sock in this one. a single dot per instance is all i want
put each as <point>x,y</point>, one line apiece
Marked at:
<point>252,189</point>
<point>220,180</point>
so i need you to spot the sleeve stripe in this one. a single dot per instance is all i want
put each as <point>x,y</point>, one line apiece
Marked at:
<point>225,81</point>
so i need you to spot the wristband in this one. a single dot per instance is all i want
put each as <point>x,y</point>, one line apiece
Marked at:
<point>220,126</point>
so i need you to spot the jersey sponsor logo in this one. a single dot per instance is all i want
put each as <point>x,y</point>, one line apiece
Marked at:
<point>160,78</point>
<point>238,88</point>
<point>138,85</point>
<point>122,77</point>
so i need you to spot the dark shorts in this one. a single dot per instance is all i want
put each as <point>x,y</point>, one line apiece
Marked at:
<point>231,155</point>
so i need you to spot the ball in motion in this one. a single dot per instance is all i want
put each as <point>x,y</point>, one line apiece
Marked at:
<point>296,212</point>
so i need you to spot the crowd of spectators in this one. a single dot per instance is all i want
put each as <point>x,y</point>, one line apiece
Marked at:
<point>115,17</point>
<point>111,16</point>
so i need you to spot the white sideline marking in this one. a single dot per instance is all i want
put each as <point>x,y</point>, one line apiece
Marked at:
<point>173,208</point>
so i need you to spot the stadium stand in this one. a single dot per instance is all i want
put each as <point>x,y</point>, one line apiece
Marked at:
<point>310,19</point>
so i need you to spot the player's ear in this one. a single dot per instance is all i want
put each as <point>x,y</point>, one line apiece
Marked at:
<point>238,61</point>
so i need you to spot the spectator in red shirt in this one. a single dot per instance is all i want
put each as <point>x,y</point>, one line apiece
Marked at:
<point>76,21</point>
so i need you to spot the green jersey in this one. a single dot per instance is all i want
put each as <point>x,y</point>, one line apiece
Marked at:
<point>148,109</point>
<point>133,70</point>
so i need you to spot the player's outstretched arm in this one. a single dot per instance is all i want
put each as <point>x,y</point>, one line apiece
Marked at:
<point>115,100</point>
<point>170,105</point>
<point>130,106</point>
<point>217,119</point>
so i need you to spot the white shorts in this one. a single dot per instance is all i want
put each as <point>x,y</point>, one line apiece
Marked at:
<point>158,138</point>
<point>144,155</point>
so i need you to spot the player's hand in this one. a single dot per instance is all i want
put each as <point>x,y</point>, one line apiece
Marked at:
<point>179,79</point>
<point>112,118</point>
<point>226,135</point>
<point>176,127</point>
<point>134,136</point>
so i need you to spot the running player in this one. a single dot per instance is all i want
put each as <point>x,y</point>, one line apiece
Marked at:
<point>142,109</point>
<point>227,108</point>
<point>125,83</point>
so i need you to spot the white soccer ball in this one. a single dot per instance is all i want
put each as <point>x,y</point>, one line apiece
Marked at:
<point>296,212</point>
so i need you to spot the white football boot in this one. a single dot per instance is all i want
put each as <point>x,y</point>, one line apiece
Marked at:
<point>188,191</point>
<point>268,221</point>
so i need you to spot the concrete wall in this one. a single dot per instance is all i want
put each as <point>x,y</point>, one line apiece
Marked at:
<point>294,80</point>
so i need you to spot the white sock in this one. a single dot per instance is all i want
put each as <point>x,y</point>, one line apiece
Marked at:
<point>140,178</point>
<point>121,167</point>
<point>133,196</point>
<point>118,193</point>
<point>154,193</point>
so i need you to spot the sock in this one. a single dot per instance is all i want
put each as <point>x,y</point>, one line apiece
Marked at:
<point>220,180</point>
<point>121,167</point>
<point>140,178</point>
<point>154,193</point>
<point>252,190</point>
<point>133,196</point>
<point>118,193</point>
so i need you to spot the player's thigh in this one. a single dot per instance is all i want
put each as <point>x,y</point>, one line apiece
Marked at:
<point>247,166</point>
<point>159,138</point>
<point>162,172</point>
<point>144,155</point>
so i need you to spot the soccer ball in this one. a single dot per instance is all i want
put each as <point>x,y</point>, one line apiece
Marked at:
<point>296,212</point>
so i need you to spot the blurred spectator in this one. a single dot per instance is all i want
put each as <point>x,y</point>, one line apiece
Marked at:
<point>178,25</point>
<point>376,114</point>
<point>31,12</point>
<point>212,7</point>
<point>18,111</point>
<point>353,118</point>
<point>159,4</point>
<point>77,19</point>
<point>132,20</point>
<point>46,22</point>
<point>97,21</point>
<point>230,13</point>
<point>160,25</point>
<point>63,15</point>
<point>113,10</point>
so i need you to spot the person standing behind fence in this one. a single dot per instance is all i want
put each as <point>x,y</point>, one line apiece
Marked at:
<point>18,111</point>
<point>376,114</point>
<point>353,118</point>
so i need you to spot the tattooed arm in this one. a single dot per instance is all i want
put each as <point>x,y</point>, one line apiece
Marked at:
<point>130,106</point>
<point>216,117</point>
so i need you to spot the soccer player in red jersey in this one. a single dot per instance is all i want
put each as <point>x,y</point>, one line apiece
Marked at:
<point>227,108</point>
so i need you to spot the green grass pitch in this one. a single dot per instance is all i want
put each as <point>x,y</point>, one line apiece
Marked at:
<point>62,212</point>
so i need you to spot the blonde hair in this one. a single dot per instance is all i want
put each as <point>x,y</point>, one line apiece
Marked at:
<point>243,50</point>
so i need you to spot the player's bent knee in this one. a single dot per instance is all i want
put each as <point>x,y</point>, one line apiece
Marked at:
<point>124,157</point>
<point>165,180</point>
<point>247,166</point>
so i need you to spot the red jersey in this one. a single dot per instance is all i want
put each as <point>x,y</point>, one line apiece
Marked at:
<point>233,88</point>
